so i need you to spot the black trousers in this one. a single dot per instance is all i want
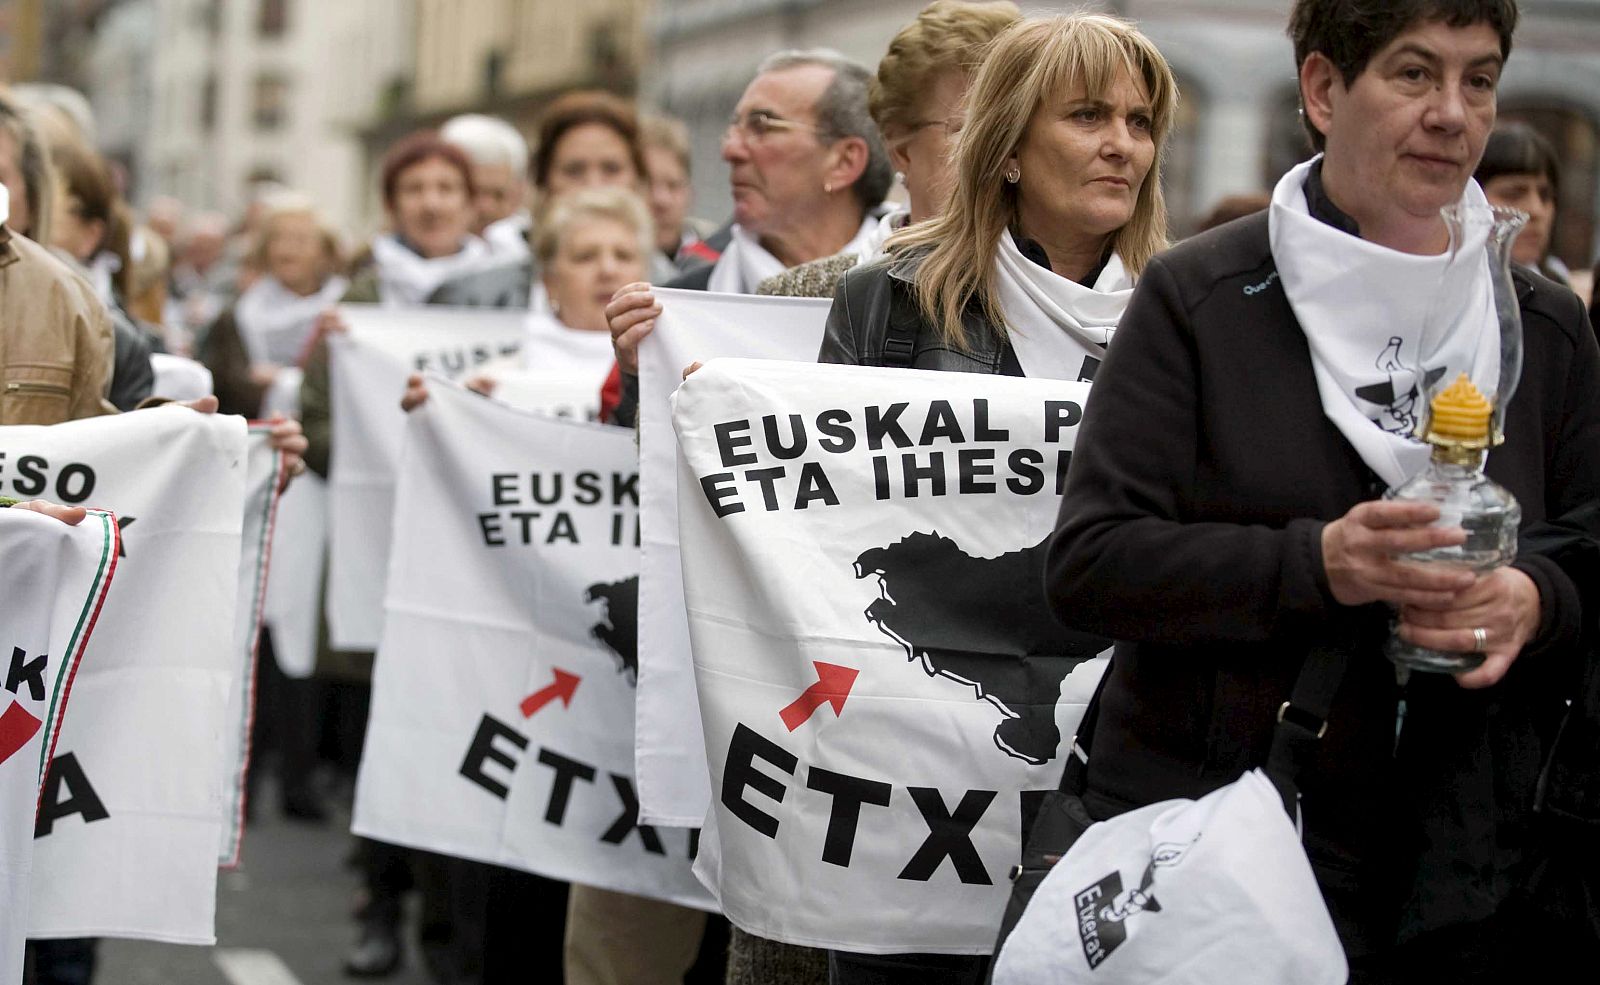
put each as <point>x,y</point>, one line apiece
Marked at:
<point>850,968</point>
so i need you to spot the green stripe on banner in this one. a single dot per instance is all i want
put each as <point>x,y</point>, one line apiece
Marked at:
<point>80,634</point>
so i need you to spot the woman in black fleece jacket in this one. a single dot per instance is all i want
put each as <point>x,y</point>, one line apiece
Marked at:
<point>1205,478</point>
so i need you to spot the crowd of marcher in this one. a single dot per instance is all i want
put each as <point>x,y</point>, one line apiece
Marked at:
<point>988,200</point>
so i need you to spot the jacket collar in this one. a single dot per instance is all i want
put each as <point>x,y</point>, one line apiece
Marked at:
<point>8,252</point>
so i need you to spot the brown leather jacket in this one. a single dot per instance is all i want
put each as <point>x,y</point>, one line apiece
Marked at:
<point>55,339</point>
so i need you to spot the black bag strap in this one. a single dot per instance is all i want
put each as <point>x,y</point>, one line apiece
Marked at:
<point>1075,775</point>
<point>1303,719</point>
<point>900,342</point>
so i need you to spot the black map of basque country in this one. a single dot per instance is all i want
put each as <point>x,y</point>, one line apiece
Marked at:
<point>982,622</point>
<point>620,628</point>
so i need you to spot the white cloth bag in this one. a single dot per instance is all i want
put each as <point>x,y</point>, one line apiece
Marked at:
<point>1215,891</point>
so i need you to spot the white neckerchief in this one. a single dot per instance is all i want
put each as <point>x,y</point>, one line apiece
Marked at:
<point>746,263</point>
<point>892,222</point>
<point>552,347</point>
<point>1382,325</point>
<point>508,238</point>
<point>100,269</point>
<point>1052,322</point>
<point>5,204</point>
<point>274,322</point>
<point>406,278</point>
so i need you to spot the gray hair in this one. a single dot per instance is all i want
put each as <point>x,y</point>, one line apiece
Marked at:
<point>842,112</point>
<point>487,140</point>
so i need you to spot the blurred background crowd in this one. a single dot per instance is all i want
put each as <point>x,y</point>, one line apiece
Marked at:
<point>207,109</point>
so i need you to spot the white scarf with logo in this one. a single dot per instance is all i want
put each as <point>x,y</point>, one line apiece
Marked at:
<point>274,322</point>
<point>746,263</point>
<point>1053,323</point>
<point>405,277</point>
<point>1385,326</point>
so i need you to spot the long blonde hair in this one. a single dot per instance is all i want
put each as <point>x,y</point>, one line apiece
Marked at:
<point>1031,61</point>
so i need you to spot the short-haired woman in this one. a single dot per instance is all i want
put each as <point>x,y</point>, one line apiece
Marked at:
<point>1054,210</point>
<point>1520,170</point>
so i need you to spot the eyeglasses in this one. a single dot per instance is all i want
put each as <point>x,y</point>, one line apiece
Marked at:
<point>759,123</point>
<point>951,126</point>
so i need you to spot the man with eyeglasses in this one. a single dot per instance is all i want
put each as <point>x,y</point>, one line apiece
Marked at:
<point>808,172</point>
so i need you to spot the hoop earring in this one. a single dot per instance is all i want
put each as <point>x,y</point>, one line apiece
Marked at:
<point>1013,176</point>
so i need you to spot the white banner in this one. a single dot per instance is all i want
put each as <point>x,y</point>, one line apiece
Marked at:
<point>264,464</point>
<point>502,705</point>
<point>293,609</point>
<point>693,326</point>
<point>132,813</point>
<point>56,582</point>
<point>885,693</point>
<point>370,363</point>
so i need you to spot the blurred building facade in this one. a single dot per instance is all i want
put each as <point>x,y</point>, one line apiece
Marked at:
<point>1239,128</point>
<point>21,34</point>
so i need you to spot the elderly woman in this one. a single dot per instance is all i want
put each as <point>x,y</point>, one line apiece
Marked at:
<point>917,100</point>
<point>271,325</point>
<point>1222,520</point>
<point>1055,208</point>
<point>589,244</point>
<point>585,140</point>
<point>1520,170</point>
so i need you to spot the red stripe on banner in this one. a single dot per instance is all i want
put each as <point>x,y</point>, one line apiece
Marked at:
<point>17,726</point>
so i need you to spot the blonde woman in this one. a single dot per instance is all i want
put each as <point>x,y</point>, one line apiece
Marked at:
<point>1054,211</point>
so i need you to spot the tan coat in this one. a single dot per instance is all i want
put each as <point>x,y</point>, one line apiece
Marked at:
<point>56,347</point>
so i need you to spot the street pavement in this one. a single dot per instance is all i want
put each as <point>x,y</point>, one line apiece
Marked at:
<point>283,917</point>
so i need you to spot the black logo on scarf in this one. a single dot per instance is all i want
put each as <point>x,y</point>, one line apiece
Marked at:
<point>1105,907</point>
<point>1400,398</point>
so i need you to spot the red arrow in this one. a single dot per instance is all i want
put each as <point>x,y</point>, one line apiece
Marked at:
<point>563,687</point>
<point>16,728</point>
<point>832,687</point>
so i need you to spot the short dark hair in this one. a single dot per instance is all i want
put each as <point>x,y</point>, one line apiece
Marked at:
<point>576,109</point>
<point>1516,148</point>
<point>415,148</point>
<point>1349,32</point>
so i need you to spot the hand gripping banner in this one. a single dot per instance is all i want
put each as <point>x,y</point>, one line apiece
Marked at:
<point>131,818</point>
<point>370,363</point>
<point>502,708</point>
<point>885,696</point>
<point>693,326</point>
<point>56,578</point>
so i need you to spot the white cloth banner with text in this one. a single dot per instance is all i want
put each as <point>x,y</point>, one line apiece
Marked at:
<point>693,326</point>
<point>57,577</point>
<point>131,818</point>
<point>885,694</point>
<point>370,363</point>
<point>502,705</point>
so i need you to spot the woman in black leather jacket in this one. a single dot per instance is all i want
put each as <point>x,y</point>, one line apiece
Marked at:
<point>1055,209</point>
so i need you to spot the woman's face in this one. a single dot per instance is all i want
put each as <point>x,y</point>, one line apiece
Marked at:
<point>922,153</point>
<point>296,255</point>
<point>596,256</point>
<point>21,220</point>
<point>1532,194</point>
<point>431,208</point>
<point>590,155</point>
<point>1083,160</point>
